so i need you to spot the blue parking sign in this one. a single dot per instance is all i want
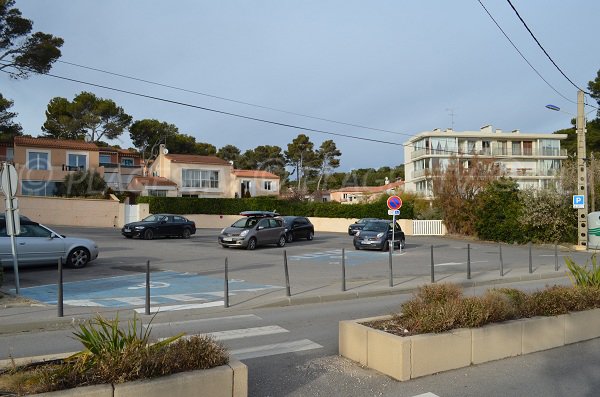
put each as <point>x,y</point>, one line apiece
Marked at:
<point>578,201</point>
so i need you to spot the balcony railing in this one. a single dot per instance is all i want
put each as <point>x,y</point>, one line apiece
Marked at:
<point>66,167</point>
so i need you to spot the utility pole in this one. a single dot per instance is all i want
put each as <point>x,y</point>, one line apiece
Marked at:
<point>582,188</point>
<point>592,183</point>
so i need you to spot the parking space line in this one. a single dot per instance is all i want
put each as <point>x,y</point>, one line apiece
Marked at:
<point>275,348</point>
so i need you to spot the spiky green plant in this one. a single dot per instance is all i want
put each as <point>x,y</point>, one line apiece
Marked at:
<point>584,276</point>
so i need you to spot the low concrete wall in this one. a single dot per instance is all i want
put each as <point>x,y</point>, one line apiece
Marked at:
<point>410,357</point>
<point>225,381</point>
<point>73,211</point>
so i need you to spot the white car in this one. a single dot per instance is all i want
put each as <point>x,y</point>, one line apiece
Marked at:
<point>40,245</point>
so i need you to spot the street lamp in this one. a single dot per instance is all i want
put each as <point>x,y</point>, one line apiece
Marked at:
<point>582,186</point>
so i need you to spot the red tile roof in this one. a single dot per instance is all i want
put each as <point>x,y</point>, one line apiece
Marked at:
<point>196,159</point>
<point>254,174</point>
<point>153,181</point>
<point>55,143</point>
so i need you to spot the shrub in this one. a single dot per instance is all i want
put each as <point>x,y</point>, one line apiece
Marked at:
<point>582,275</point>
<point>112,355</point>
<point>442,307</point>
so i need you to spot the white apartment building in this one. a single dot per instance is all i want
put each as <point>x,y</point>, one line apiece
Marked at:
<point>533,160</point>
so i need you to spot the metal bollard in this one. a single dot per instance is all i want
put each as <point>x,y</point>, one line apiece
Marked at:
<point>432,267</point>
<point>226,285</point>
<point>468,261</point>
<point>343,270</point>
<point>555,257</point>
<point>60,288</point>
<point>530,260</point>
<point>147,288</point>
<point>501,261</point>
<point>287,275</point>
<point>390,264</point>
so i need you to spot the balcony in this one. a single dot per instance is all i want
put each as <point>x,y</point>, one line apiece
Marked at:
<point>66,167</point>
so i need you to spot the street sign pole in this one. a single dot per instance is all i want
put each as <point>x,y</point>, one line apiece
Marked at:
<point>393,230</point>
<point>8,181</point>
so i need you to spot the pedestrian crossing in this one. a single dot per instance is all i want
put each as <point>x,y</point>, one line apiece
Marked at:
<point>243,342</point>
<point>334,256</point>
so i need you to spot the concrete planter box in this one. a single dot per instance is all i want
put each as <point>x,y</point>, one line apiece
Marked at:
<point>225,381</point>
<point>410,357</point>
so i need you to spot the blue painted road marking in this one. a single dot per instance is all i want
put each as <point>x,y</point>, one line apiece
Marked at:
<point>129,291</point>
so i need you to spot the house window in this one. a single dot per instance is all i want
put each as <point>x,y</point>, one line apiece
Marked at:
<point>77,161</point>
<point>10,154</point>
<point>200,178</point>
<point>127,161</point>
<point>105,159</point>
<point>267,185</point>
<point>157,193</point>
<point>486,148</point>
<point>516,148</point>
<point>37,160</point>
<point>40,188</point>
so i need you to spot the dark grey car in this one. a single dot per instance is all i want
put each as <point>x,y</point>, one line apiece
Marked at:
<point>252,231</point>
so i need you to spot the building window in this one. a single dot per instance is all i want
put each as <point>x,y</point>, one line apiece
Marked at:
<point>40,188</point>
<point>486,148</point>
<point>77,161</point>
<point>37,160</point>
<point>267,185</point>
<point>157,193</point>
<point>127,161</point>
<point>10,154</point>
<point>200,178</point>
<point>104,158</point>
<point>516,148</point>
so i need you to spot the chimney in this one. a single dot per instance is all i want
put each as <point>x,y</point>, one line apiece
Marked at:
<point>436,130</point>
<point>516,131</point>
<point>449,130</point>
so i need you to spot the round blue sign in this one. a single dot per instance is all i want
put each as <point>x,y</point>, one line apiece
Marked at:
<point>394,202</point>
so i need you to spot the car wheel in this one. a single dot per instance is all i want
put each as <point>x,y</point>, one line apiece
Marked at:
<point>289,237</point>
<point>224,246</point>
<point>402,244</point>
<point>128,236</point>
<point>186,233</point>
<point>385,246</point>
<point>356,247</point>
<point>251,244</point>
<point>281,242</point>
<point>310,236</point>
<point>148,234</point>
<point>78,257</point>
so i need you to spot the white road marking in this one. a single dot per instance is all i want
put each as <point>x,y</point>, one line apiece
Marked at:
<point>171,308</point>
<point>273,349</point>
<point>457,263</point>
<point>241,333</point>
<point>428,394</point>
<point>204,320</point>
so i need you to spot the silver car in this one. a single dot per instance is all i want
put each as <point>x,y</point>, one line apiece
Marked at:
<point>40,245</point>
<point>258,228</point>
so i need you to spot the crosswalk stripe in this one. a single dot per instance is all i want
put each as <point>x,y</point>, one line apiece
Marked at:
<point>275,348</point>
<point>203,320</point>
<point>428,394</point>
<point>247,332</point>
<point>171,308</point>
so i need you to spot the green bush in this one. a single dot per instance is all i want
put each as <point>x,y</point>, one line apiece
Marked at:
<point>498,210</point>
<point>233,206</point>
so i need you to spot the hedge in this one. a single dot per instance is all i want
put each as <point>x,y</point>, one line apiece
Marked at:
<point>233,206</point>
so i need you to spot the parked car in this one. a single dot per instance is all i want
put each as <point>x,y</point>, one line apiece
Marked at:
<point>160,225</point>
<point>358,225</point>
<point>297,227</point>
<point>377,234</point>
<point>256,228</point>
<point>39,245</point>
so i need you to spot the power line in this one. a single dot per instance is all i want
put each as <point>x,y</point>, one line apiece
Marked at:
<point>440,151</point>
<point>543,49</point>
<point>228,99</point>
<point>523,56</point>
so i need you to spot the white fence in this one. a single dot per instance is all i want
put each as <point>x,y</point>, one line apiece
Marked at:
<point>428,228</point>
<point>133,213</point>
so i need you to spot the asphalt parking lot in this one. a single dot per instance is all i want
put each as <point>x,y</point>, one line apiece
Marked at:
<point>190,272</point>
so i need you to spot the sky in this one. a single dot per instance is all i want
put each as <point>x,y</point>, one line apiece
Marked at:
<point>399,66</point>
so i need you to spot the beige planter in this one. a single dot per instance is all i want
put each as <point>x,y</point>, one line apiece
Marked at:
<point>225,381</point>
<point>410,357</point>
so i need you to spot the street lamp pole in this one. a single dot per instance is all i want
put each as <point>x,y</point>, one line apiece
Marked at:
<point>582,186</point>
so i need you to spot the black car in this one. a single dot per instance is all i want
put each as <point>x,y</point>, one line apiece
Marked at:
<point>297,227</point>
<point>358,225</point>
<point>160,225</point>
<point>378,234</point>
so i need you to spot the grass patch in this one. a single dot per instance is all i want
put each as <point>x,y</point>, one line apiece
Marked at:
<point>442,307</point>
<point>115,355</point>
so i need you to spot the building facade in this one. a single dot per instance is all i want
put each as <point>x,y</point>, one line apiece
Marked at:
<point>532,160</point>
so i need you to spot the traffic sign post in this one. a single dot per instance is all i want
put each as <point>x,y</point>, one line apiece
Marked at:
<point>8,183</point>
<point>394,203</point>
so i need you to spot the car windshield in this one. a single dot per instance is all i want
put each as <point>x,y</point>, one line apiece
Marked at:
<point>376,227</point>
<point>154,218</point>
<point>245,223</point>
<point>364,220</point>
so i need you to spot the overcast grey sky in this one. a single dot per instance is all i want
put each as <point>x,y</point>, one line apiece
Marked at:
<point>403,66</point>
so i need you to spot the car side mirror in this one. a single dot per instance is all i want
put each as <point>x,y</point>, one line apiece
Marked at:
<point>260,228</point>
